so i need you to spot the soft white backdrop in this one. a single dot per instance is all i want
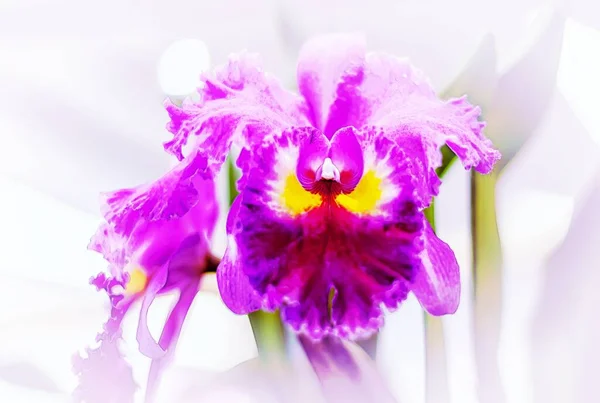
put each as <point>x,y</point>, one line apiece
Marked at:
<point>81,112</point>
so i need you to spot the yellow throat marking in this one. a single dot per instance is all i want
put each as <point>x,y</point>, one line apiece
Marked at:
<point>296,199</point>
<point>363,199</point>
<point>137,282</point>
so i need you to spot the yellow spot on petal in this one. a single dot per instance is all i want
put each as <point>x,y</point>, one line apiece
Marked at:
<point>296,199</point>
<point>365,195</point>
<point>137,282</point>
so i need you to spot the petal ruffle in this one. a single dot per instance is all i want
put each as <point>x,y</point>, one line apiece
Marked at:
<point>167,198</point>
<point>110,244</point>
<point>437,283</point>
<point>104,375</point>
<point>119,305</point>
<point>147,225</point>
<point>166,251</point>
<point>239,104</point>
<point>398,98</point>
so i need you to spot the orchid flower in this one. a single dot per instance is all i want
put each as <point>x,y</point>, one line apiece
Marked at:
<point>328,226</point>
<point>149,253</point>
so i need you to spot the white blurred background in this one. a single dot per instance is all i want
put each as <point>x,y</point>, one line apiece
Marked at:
<point>81,112</point>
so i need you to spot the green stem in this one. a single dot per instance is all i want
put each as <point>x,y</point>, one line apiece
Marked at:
<point>232,177</point>
<point>266,326</point>
<point>448,158</point>
<point>487,286</point>
<point>436,368</point>
<point>430,214</point>
<point>269,334</point>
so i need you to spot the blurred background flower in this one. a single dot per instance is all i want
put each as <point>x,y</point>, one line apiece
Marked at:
<point>566,330</point>
<point>82,113</point>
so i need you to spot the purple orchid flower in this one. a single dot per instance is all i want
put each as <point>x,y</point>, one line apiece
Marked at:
<point>151,250</point>
<point>328,226</point>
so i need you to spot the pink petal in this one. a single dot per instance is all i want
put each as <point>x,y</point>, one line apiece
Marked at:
<point>345,372</point>
<point>437,283</point>
<point>240,104</point>
<point>347,155</point>
<point>312,153</point>
<point>322,64</point>
<point>147,343</point>
<point>234,286</point>
<point>104,375</point>
<point>169,338</point>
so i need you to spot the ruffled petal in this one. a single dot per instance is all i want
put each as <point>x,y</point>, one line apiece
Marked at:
<point>168,198</point>
<point>398,98</point>
<point>163,250</point>
<point>325,64</point>
<point>119,303</point>
<point>419,154</point>
<point>437,282</point>
<point>110,244</point>
<point>104,375</point>
<point>134,236</point>
<point>239,104</point>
